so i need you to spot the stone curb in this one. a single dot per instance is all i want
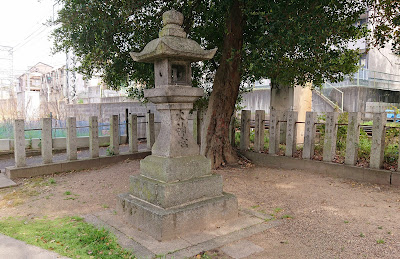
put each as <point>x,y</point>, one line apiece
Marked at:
<point>178,249</point>
<point>75,165</point>
<point>374,176</point>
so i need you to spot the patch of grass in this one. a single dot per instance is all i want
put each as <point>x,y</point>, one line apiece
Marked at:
<point>40,181</point>
<point>255,206</point>
<point>17,196</point>
<point>110,151</point>
<point>368,123</point>
<point>380,241</point>
<point>70,198</point>
<point>346,221</point>
<point>252,136</point>
<point>237,138</point>
<point>34,182</point>
<point>269,219</point>
<point>277,210</point>
<point>70,236</point>
<point>266,139</point>
<point>391,152</point>
<point>362,235</point>
<point>287,217</point>
<point>52,181</point>
<point>380,227</point>
<point>48,196</point>
<point>69,194</point>
<point>105,206</point>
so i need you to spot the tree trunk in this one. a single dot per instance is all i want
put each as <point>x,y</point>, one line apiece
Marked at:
<point>215,143</point>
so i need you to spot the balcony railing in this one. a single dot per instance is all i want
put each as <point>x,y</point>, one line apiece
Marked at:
<point>371,79</point>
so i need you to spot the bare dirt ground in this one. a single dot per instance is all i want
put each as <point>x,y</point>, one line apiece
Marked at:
<point>323,217</point>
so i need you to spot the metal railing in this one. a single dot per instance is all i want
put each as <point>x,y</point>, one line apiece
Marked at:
<point>371,79</point>
<point>327,92</point>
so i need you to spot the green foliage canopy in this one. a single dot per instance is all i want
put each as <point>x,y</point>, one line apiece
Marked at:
<point>289,41</point>
<point>385,19</point>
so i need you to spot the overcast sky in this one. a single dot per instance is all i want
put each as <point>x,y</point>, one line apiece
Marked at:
<point>21,27</point>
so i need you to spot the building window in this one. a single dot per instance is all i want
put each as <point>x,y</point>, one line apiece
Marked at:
<point>363,61</point>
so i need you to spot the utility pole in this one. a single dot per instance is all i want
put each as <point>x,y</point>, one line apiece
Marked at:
<point>67,76</point>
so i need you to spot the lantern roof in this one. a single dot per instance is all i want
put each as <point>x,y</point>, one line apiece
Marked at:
<point>172,43</point>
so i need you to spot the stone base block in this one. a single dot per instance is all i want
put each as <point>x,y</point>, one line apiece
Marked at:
<point>173,194</point>
<point>171,169</point>
<point>166,224</point>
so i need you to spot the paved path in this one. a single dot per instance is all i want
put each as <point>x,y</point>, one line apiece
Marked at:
<point>11,248</point>
<point>5,182</point>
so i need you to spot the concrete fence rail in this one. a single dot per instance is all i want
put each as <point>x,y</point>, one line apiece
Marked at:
<point>288,120</point>
<point>71,143</point>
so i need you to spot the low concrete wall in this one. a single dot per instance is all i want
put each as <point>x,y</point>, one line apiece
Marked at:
<point>67,166</point>
<point>376,107</point>
<point>332,169</point>
<point>82,142</point>
<point>5,145</point>
<point>258,99</point>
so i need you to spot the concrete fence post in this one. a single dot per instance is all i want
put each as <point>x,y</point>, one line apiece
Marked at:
<point>93,136</point>
<point>19,143</point>
<point>245,130</point>
<point>353,138</point>
<point>291,133</point>
<point>331,128</point>
<point>274,132</point>
<point>232,130</point>
<point>133,133</point>
<point>114,134</point>
<point>378,140</point>
<point>150,133</point>
<point>46,141</point>
<point>71,139</point>
<point>259,131</point>
<point>309,135</point>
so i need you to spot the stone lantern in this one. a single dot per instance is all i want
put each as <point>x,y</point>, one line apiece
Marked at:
<point>175,193</point>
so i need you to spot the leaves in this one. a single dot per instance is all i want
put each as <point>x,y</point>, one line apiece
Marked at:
<point>385,21</point>
<point>292,42</point>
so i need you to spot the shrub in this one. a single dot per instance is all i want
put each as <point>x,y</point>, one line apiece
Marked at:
<point>364,145</point>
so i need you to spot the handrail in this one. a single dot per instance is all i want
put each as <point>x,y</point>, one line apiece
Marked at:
<point>371,79</point>
<point>341,95</point>
<point>334,105</point>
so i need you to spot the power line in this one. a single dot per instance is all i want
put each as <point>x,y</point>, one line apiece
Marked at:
<point>21,42</point>
<point>41,25</point>
<point>26,42</point>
